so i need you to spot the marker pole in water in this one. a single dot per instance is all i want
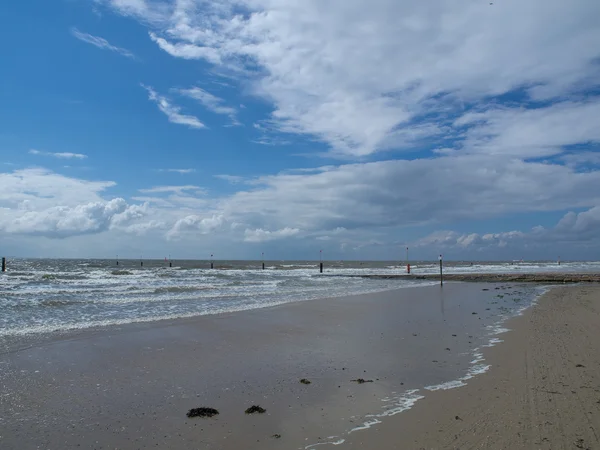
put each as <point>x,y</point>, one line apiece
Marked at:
<point>262,255</point>
<point>320,261</point>
<point>3,264</point>
<point>117,260</point>
<point>141,261</point>
<point>559,260</point>
<point>407,263</point>
<point>441,272</point>
<point>212,266</point>
<point>170,262</point>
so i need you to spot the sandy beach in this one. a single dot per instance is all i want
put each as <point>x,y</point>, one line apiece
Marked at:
<point>130,387</point>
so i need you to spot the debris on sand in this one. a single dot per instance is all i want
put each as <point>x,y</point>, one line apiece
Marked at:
<point>304,381</point>
<point>256,409</point>
<point>202,412</point>
<point>362,380</point>
<point>276,436</point>
<point>485,289</point>
<point>474,313</point>
<point>579,365</point>
<point>458,418</point>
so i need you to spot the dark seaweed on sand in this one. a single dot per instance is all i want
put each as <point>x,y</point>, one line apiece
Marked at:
<point>202,412</point>
<point>362,380</point>
<point>304,381</point>
<point>255,409</point>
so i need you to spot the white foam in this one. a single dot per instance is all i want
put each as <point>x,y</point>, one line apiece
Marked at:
<point>447,385</point>
<point>338,442</point>
<point>365,426</point>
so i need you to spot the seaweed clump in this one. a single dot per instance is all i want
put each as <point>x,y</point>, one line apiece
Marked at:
<point>202,412</point>
<point>362,380</point>
<point>304,381</point>
<point>256,409</point>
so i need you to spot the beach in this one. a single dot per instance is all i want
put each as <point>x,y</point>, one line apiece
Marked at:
<point>130,386</point>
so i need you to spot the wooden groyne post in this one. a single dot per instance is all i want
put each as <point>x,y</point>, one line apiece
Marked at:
<point>320,261</point>
<point>441,272</point>
<point>3,264</point>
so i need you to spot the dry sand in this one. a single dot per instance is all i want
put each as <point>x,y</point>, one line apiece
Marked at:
<point>542,392</point>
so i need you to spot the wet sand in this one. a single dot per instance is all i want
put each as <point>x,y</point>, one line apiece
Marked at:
<point>542,392</point>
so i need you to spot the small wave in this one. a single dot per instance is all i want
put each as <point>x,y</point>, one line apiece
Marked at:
<point>121,272</point>
<point>176,289</point>
<point>52,276</point>
<point>60,302</point>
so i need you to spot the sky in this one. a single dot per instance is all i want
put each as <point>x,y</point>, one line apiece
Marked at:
<point>147,128</point>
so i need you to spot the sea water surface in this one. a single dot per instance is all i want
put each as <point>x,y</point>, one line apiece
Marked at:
<point>48,295</point>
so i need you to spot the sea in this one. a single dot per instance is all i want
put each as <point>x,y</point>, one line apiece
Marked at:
<point>40,296</point>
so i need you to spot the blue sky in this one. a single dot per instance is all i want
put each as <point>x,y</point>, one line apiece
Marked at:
<point>234,127</point>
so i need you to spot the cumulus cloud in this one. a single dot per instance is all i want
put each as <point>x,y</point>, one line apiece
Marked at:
<point>260,235</point>
<point>173,112</point>
<point>43,203</point>
<point>65,221</point>
<point>197,224</point>
<point>63,155</point>
<point>572,229</point>
<point>101,43</point>
<point>401,73</point>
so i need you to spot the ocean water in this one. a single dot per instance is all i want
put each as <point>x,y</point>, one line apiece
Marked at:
<point>47,295</point>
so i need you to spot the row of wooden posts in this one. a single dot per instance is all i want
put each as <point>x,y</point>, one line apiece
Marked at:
<point>212,265</point>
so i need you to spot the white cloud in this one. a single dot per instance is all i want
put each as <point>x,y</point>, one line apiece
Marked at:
<point>64,155</point>
<point>40,202</point>
<point>210,102</point>
<point>260,235</point>
<point>180,171</point>
<point>197,224</point>
<point>171,189</point>
<point>173,112</point>
<point>404,193</point>
<point>573,229</point>
<point>101,43</point>
<point>366,76</point>
<point>519,132</point>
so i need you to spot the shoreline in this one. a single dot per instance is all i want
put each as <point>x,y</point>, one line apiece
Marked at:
<point>542,391</point>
